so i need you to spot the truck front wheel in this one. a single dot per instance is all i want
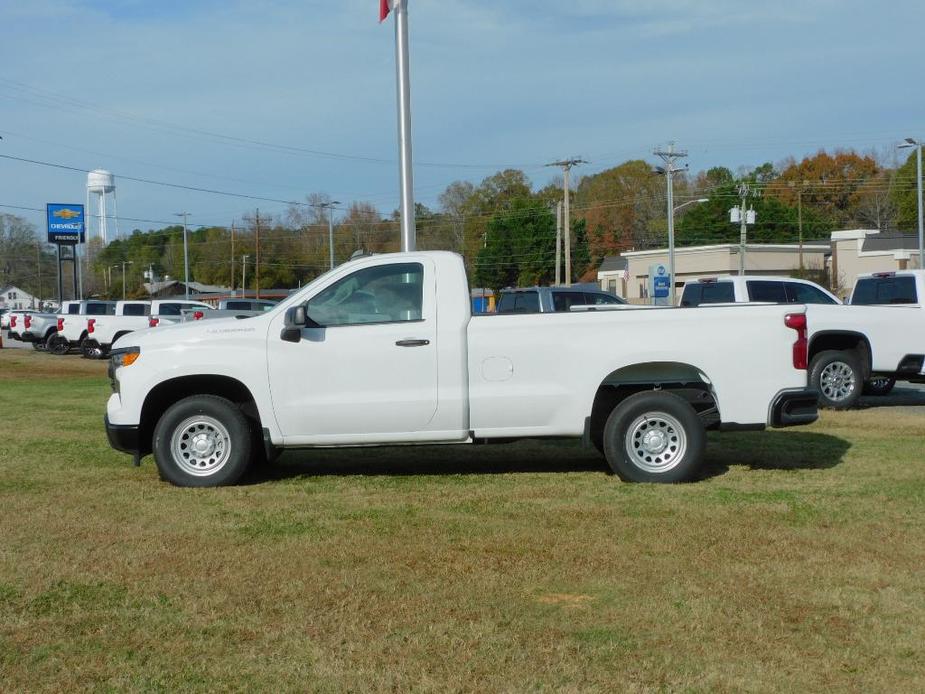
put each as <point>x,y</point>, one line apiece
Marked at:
<point>202,441</point>
<point>654,436</point>
<point>837,377</point>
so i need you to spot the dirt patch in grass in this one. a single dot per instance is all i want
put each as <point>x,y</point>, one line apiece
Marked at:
<point>795,564</point>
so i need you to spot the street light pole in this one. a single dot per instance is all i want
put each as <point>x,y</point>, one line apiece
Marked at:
<point>185,252</point>
<point>674,297</point>
<point>910,142</point>
<point>670,156</point>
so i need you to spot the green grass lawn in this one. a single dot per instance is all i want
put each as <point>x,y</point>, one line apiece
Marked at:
<point>796,564</point>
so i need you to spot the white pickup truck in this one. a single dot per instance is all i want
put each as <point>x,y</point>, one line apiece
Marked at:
<point>383,350</point>
<point>853,350</point>
<point>72,327</point>
<point>903,292</point>
<point>103,330</point>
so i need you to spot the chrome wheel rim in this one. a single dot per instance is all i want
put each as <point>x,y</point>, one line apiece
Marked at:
<point>656,442</point>
<point>837,381</point>
<point>200,445</point>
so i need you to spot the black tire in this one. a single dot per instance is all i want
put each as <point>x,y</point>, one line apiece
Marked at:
<point>838,378</point>
<point>879,385</point>
<point>91,349</point>
<point>224,438</point>
<point>57,345</point>
<point>677,438</point>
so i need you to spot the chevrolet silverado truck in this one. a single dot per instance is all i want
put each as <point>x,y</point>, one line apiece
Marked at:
<point>103,330</point>
<point>904,291</point>
<point>384,350</point>
<point>854,349</point>
<point>72,327</point>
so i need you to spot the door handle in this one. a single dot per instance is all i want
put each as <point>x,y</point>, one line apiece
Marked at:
<point>412,343</point>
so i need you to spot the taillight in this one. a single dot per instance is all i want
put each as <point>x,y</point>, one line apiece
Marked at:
<point>60,324</point>
<point>197,315</point>
<point>797,321</point>
<point>27,321</point>
<point>152,322</point>
<point>12,321</point>
<point>90,323</point>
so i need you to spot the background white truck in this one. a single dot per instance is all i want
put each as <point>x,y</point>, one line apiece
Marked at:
<point>853,350</point>
<point>384,350</point>
<point>103,330</point>
<point>72,327</point>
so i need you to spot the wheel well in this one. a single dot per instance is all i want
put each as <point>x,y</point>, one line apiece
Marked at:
<point>51,331</point>
<point>118,335</point>
<point>842,342</point>
<point>165,394</point>
<point>684,380</point>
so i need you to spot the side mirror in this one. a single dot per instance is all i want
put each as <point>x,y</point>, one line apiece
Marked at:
<point>296,319</point>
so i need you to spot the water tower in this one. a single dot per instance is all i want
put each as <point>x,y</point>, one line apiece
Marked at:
<point>102,183</point>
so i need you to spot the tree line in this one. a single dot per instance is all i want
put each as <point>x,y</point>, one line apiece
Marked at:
<point>504,227</point>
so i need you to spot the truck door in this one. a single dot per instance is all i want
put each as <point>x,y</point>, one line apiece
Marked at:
<point>371,366</point>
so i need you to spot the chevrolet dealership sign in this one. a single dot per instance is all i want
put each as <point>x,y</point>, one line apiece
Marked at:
<point>65,223</point>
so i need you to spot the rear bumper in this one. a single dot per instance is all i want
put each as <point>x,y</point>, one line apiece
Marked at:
<point>30,337</point>
<point>123,437</point>
<point>794,408</point>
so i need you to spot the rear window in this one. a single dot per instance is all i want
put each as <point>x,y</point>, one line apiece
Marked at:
<point>169,309</point>
<point>884,290</point>
<point>765,290</point>
<point>95,309</point>
<point>135,309</point>
<point>239,305</point>
<point>73,309</point>
<point>708,293</point>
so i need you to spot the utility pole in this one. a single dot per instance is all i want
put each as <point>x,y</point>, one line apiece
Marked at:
<point>670,156</point>
<point>257,260</point>
<point>232,257</point>
<point>558,243</point>
<point>566,165</point>
<point>151,279</point>
<point>327,206</point>
<point>38,267</point>
<point>912,142</point>
<point>744,217</point>
<point>244,274</point>
<point>185,252</point>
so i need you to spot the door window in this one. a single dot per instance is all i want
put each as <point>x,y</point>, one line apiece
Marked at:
<point>563,301</point>
<point>799,293</point>
<point>765,290</point>
<point>381,294</point>
<point>594,299</point>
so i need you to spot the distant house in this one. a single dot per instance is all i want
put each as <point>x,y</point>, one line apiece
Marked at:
<point>13,297</point>
<point>169,288</point>
<point>612,274</point>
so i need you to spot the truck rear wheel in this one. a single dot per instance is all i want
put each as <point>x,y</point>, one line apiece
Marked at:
<point>838,378</point>
<point>91,349</point>
<point>879,385</point>
<point>202,441</point>
<point>654,436</point>
<point>57,345</point>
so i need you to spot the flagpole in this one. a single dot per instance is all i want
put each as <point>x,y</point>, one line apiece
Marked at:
<point>403,83</point>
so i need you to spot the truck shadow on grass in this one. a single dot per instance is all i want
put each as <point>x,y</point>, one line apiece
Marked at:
<point>769,450</point>
<point>903,395</point>
<point>787,451</point>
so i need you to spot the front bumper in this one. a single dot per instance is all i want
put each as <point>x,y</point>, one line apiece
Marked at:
<point>794,408</point>
<point>123,437</point>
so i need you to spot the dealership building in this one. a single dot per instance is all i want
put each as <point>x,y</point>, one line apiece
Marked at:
<point>833,262</point>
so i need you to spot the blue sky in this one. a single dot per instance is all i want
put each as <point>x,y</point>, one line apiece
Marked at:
<point>168,90</point>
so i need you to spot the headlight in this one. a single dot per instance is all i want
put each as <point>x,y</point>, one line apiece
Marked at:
<point>123,356</point>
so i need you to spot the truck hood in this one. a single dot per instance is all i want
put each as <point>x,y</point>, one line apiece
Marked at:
<point>217,331</point>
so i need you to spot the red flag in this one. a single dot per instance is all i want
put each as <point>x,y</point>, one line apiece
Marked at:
<point>384,9</point>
